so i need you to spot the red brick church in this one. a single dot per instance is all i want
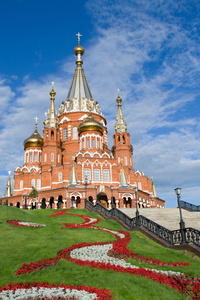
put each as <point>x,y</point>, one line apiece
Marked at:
<point>72,161</point>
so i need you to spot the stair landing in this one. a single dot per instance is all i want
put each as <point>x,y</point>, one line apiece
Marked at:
<point>167,217</point>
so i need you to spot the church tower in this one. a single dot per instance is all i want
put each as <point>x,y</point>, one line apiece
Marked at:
<point>51,154</point>
<point>122,149</point>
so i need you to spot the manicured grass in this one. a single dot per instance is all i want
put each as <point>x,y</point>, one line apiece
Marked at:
<point>22,245</point>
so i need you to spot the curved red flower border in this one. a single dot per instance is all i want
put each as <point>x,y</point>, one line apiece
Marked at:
<point>102,294</point>
<point>182,283</point>
<point>120,250</point>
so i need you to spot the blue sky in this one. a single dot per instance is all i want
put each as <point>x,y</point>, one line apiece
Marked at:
<point>147,48</point>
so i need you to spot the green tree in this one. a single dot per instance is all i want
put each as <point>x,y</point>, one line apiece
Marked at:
<point>34,193</point>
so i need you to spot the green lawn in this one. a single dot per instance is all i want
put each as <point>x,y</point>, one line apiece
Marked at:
<point>22,245</point>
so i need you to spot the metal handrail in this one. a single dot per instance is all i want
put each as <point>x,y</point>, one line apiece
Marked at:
<point>189,206</point>
<point>173,237</point>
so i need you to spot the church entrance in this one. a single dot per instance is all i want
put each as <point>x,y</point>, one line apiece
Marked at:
<point>43,206</point>
<point>103,199</point>
<point>60,201</point>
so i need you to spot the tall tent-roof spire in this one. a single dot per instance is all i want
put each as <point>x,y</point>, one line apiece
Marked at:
<point>79,97</point>
<point>79,88</point>
<point>8,190</point>
<point>123,180</point>
<point>73,178</point>
<point>51,119</point>
<point>153,188</point>
<point>120,125</point>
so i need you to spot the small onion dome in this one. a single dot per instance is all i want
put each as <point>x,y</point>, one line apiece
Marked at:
<point>90,124</point>
<point>34,140</point>
<point>79,50</point>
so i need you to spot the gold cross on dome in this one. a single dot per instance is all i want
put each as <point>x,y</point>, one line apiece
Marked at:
<point>9,172</point>
<point>79,35</point>
<point>118,91</point>
<point>36,119</point>
<point>52,84</point>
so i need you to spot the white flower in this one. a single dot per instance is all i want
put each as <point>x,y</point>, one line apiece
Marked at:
<point>42,292</point>
<point>30,224</point>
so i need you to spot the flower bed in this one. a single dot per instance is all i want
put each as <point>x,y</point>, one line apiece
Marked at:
<point>113,255</point>
<point>44,291</point>
<point>24,224</point>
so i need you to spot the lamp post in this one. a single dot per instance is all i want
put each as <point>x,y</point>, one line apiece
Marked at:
<point>182,224</point>
<point>137,211</point>
<point>96,192</point>
<point>111,187</point>
<point>86,183</point>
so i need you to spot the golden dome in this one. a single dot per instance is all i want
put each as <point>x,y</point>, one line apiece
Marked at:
<point>35,140</point>
<point>79,50</point>
<point>90,124</point>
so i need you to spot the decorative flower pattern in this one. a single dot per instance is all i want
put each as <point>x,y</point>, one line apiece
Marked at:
<point>44,291</point>
<point>112,256</point>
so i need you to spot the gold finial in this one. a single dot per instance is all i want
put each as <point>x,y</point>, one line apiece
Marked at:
<point>52,93</point>
<point>9,172</point>
<point>36,119</point>
<point>118,91</point>
<point>79,35</point>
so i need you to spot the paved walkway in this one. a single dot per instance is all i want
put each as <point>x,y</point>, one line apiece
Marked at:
<point>167,217</point>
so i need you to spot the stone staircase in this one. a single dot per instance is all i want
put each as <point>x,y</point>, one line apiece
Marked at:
<point>167,217</point>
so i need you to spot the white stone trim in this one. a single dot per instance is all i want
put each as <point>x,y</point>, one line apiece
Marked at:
<point>75,195</point>
<point>127,195</point>
<point>64,119</point>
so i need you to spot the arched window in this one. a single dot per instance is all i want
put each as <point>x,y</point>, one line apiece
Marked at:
<point>52,133</point>
<point>105,175</point>
<point>93,143</point>
<point>45,157</point>
<point>139,186</point>
<point>75,135</point>
<point>124,139</point>
<point>39,157</point>
<point>118,138</point>
<point>33,182</point>
<point>21,184</point>
<point>38,183</point>
<point>125,159</point>
<point>35,157</point>
<point>52,157</point>
<point>31,157</point>
<point>88,143</point>
<point>87,174</point>
<point>96,175</point>
<point>60,176</point>
<point>65,134</point>
<point>97,143</point>
<point>84,143</point>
